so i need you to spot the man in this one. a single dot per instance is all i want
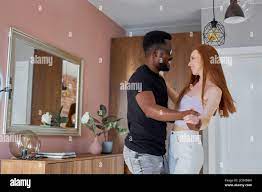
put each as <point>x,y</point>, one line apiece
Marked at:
<point>147,112</point>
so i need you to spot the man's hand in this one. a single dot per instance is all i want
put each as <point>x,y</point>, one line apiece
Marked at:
<point>189,113</point>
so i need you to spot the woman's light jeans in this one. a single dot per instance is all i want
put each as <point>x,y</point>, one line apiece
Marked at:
<point>185,153</point>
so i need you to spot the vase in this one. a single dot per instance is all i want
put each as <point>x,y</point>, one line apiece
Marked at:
<point>95,147</point>
<point>107,147</point>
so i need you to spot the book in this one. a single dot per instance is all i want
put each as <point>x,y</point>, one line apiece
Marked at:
<point>57,155</point>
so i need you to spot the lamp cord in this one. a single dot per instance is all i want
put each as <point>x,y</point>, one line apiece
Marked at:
<point>214,9</point>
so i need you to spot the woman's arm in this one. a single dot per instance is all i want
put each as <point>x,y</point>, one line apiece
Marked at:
<point>213,96</point>
<point>172,93</point>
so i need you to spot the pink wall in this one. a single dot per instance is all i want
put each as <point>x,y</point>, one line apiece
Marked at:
<point>92,33</point>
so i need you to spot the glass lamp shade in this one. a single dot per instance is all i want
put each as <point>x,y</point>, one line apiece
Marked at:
<point>214,33</point>
<point>25,146</point>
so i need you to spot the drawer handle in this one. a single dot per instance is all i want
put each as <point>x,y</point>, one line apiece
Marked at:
<point>100,164</point>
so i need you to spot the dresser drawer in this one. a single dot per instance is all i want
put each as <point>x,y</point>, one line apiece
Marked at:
<point>111,165</point>
<point>60,168</point>
<point>22,167</point>
<point>102,166</point>
<point>83,167</point>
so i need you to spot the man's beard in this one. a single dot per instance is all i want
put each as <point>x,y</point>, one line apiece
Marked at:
<point>163,67</point>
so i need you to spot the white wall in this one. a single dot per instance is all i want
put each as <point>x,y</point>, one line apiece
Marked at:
<point>234,144</point>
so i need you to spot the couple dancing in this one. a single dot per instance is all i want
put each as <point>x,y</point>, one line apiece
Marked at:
<point>148,112</point>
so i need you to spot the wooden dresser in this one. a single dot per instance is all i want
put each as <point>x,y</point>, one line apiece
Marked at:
<point>82,164</point>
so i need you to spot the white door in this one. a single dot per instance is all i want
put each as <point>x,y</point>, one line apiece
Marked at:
<point>22,93</point>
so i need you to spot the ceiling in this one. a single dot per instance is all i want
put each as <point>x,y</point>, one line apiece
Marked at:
<point>135,14</point>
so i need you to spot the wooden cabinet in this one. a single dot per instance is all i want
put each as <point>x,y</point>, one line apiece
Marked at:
<point>83,164</point>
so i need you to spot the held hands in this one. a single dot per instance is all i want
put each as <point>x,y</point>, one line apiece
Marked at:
<point>193,120</point>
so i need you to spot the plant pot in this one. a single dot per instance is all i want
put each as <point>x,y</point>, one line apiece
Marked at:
<point>107,147</point>
<point>95,147</point>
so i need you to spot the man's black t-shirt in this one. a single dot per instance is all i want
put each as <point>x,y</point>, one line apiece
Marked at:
<point>146,135</point>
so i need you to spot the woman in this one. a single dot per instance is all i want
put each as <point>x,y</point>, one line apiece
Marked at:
<point>206,93</point>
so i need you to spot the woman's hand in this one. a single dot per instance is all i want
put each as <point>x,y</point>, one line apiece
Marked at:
<point>193,122</point>
<point>163,74</point>
<point>192,119</point>
<point>173,95</point>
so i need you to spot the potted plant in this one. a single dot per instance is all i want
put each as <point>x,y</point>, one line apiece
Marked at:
<point>102,126</point>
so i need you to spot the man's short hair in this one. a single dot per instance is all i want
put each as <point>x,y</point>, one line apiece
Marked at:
<point>155,39</point>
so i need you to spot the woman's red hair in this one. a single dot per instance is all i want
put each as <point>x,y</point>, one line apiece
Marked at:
<point>216,75</point>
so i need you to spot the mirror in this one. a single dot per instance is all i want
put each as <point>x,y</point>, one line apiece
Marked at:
<point>45,88</point>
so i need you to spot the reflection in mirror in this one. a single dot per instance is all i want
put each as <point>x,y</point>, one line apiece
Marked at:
<point>45,87</point>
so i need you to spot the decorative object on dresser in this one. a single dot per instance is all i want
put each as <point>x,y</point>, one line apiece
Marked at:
<point>104,125</point>
<point>95,147</point>
<point>56,155</point>
<point>82,164</point>
<point>25,145</point>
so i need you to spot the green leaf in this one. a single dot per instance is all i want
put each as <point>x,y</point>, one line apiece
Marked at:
<point>64,119</point>
<point>100,126</point>
<point>115,124</point>
<point>94,128</point>
<point>110,118</point>
<point>96,120</point>
<point>121,130</point>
